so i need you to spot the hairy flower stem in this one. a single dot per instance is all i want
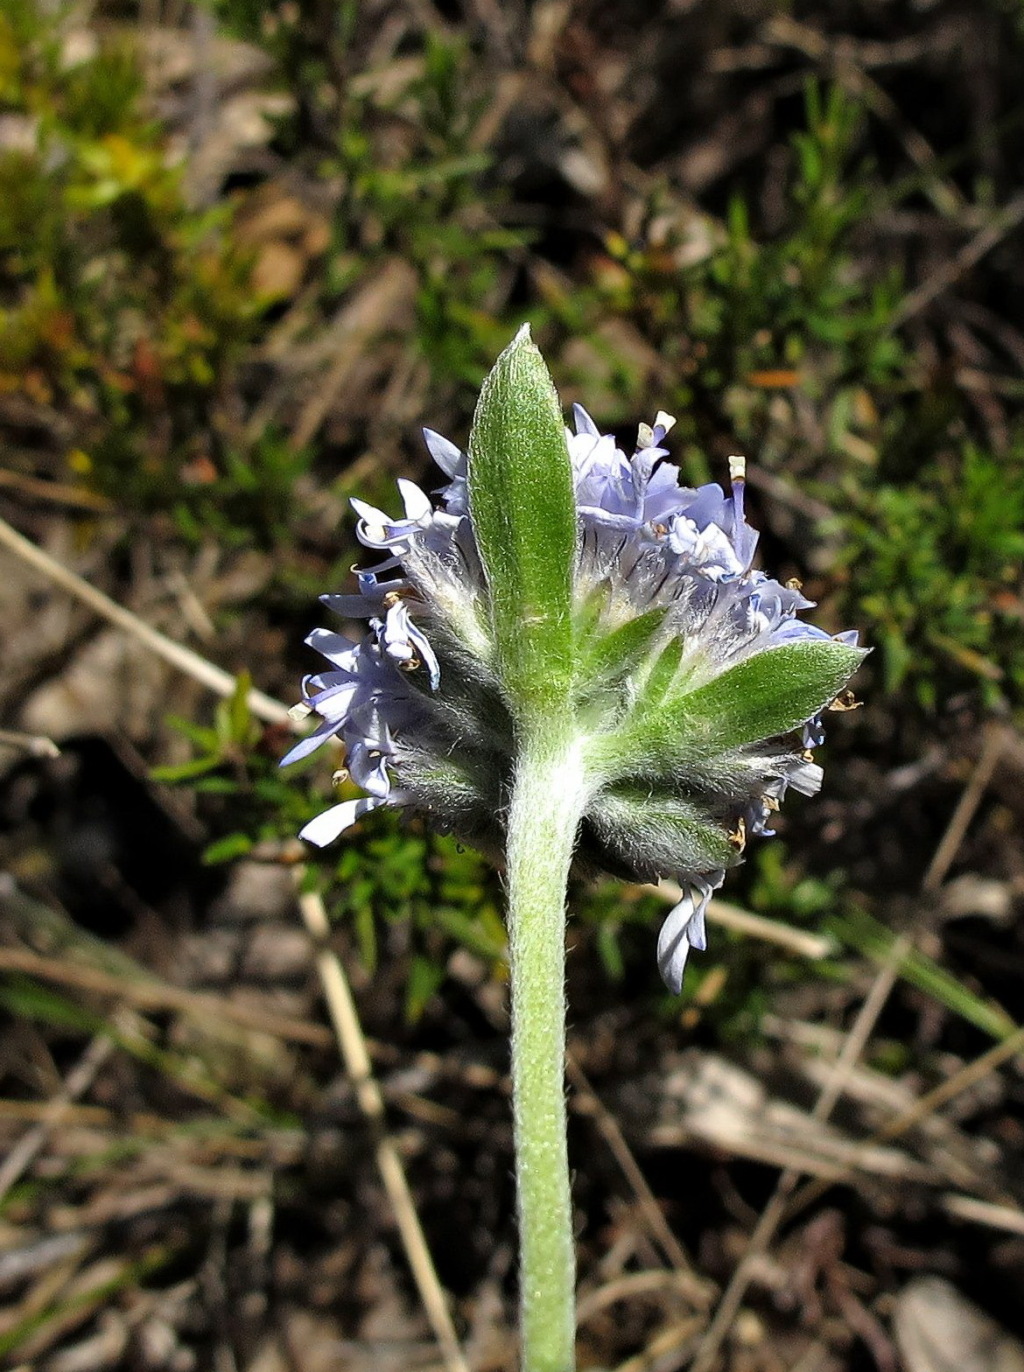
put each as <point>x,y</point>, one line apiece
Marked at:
<point>548,800</point>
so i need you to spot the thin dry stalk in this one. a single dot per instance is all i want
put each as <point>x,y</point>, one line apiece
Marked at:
<point>696,1291</point>
<point>184,659</point>
<point>1004,221</point>
<point>77,1082</point>
<point>356,1057</point>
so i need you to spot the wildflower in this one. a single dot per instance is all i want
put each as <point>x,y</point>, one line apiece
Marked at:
<point>695,687</point>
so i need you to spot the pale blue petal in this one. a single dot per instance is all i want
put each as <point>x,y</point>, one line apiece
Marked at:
<point>447,456</point>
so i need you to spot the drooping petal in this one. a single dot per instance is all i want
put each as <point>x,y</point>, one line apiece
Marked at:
<point>674,943</point>
<point>684,928</point>
<point>326,827</point>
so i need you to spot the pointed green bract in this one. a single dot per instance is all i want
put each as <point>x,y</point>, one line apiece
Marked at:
<point>657,833</point>
<point>524,514</point>
<point>618,652</point>
<point>661,676</point>
<point>767,695</point>
<point>770,693</point>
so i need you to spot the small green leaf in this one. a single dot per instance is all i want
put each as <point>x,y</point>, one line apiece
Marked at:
<point>226,849</point>
<point>366,931</point>
<point>424,979</point>
<point>484,937</point>
<point>609,950</point>
<point>185,771</point>
<point>524,512</point>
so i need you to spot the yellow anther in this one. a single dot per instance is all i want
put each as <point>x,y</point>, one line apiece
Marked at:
<point>738,837</point>
<point>846,700</point>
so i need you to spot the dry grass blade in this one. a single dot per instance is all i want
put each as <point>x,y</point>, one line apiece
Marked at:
<point>214,678</point>
<point>35,745</point>
<point>984,1212</point>
<point>372,309</point>
<point>53,492</point>
<point>926,1105</point>
<point>357,1063</point>
<point>154,995</point>
<point>78,1081</point>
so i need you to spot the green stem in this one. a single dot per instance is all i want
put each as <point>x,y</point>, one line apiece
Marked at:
<point>547,802</point>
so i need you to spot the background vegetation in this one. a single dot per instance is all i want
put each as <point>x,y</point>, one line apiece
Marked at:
<point>245,252</point>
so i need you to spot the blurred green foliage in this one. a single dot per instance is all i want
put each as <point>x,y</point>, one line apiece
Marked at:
<point>415,186</point>
<point>935,570</point>
<point>121,307</point>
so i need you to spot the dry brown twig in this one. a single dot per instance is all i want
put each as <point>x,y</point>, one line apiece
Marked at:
<point>696,1291</point>
<point>1003,222</point>
<point>848,60</point>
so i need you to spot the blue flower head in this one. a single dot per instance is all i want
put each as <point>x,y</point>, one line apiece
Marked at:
<point>697,687</point>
